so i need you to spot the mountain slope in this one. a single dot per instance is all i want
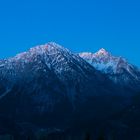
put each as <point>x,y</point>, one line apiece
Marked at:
<point>50,60</point>
<point>48,74</point>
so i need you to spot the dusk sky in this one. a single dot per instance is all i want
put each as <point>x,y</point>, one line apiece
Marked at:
<point>79,25</point>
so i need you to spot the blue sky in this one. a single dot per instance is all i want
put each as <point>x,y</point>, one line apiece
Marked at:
<point>80,25</point>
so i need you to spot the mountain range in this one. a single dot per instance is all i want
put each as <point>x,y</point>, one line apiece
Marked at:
<point>53,91</point>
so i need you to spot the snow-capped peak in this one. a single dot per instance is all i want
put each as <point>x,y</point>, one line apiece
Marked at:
<point>49,56</point>
<point>50,48</point>
<point>102,52</point>
<point>105,62</point>
<point>117,68</point>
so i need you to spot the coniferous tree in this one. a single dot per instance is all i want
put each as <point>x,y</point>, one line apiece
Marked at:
<point>101,136</point>
<point>87,136</point>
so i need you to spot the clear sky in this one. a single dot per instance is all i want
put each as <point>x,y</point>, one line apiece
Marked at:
<point>80,25</point>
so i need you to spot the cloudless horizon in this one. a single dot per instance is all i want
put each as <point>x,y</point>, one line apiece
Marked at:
<point>79,25</point>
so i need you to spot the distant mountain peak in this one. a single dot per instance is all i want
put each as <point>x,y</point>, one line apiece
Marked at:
<point>104,61</point>
<point>102,52</point>
<point>112,65</point>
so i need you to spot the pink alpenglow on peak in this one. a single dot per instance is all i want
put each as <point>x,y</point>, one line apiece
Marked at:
<point>102,52</point>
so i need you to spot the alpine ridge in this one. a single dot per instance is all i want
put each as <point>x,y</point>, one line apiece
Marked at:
<point>117,68</point>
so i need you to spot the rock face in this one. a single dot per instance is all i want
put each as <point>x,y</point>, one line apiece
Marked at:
<point>117,68</point>
<point>51,88</point>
